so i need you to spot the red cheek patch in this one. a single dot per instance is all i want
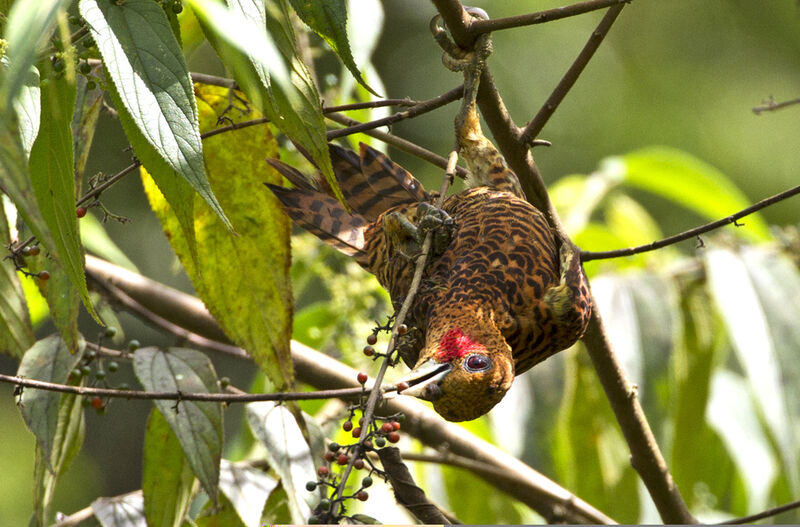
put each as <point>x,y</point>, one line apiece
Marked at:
<point>456,344</point>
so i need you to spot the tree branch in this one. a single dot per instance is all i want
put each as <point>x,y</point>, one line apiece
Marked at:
<point>511,475</point>
<point>568,81</point>
<point>485,26</point>
<point>587,256</point>
<point>649,461</point>
<point>771,105</point>
<point>763,514</point>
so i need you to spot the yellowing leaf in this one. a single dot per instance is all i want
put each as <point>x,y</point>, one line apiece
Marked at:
<point>243,279</point>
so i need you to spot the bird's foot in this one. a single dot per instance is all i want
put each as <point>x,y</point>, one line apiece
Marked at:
<point>438,223</point>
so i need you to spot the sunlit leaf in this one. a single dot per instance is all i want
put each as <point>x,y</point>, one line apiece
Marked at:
<point>286,452</point>
<point>737,299</point>
<point>52,174</point>
<point>28,108</point>
<point>197,424</point>
<point>328,19</point>
<point>16,332</point>
<point>730,412</point>
<point>247,489</point>
<point>261,53</point>
<point>688,181</point>
<point>120,511</point>
<point>146,65</point>
<point>244,279</point>
<point>166,476</point>
<point>88,105</point>
<point>47,360</point>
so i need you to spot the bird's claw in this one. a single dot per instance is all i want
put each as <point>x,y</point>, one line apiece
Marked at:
<point>438,223</point>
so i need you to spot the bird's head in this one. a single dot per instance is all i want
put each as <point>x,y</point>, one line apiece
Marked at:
<point>464,373</point>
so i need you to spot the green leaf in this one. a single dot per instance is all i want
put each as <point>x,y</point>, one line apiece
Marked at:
<point>146,65</point>
<point>97,241</point>
<point>16,331</point>
<point>687,181</point>
<point>28,108</point>
<point>28,27</point>
<point>52,173</point>
<point>328,19</point>
<point>247,489</point>
<point>167,478</point>
<point>733,416</point>
<point>243,280</point>
<point>286,452</point>
<point>84,123</point>
<point>279,86</point>
<point>737,299</point>
<point>197,424</point>
<point>120,511</point>
<point>67,443</point>
<point>48,360</point>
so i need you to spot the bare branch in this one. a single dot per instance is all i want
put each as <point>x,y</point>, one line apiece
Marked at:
<point>511,475</point>
<point>763,514</point>
<point>418,109</point>
<point>571,76</point>
<point>770,105</point>
<point>540,17</point>
<point>691,233</point>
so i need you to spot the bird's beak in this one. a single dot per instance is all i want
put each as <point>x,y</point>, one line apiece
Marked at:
<point>425,375</point>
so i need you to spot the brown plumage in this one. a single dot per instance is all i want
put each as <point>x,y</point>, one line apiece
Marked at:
<point>500,297</point>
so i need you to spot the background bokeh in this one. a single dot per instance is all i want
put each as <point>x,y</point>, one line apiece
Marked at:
<point>684,74</point>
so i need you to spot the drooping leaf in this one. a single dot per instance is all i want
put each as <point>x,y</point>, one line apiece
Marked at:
<point>261,53</point>
<point>247,489</point>
<point>28,108</point>
<point>688,181</point>
<point>28,27</point>
<point>88,104</point>
<point>286,452</point>
<point>197,424</point>
<point>243,280</point>
<point>120,511</point>
<point>47,360</point>
<point>737,299</point>
<point>166,476</point>
<point>152,82</point>
<point>731,413</point>
<point>70,432</point>
<point>328,19</point>
<point>221,515</point>
<point>52,174</point>
<point>16,331</point>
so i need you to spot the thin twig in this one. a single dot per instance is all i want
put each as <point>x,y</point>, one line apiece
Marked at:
<point>400,143</point>
<point>565,84</point>
<point>771,105</point>
<point>347,393</point>
<point>375,395</point>
<point>418,109</point>
<point>370,104</point>
<point>691,233</point>
<point>763,514</point>
<point>484,26</point>
<point>511,475</point>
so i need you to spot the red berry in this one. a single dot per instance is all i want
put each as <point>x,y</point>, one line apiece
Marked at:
<point>386,428</point>
<point>369,351</point>
<point>329,456</point>
<point>343,459</point>
<point>358,464</point>
<point>362,378</point>
<point>402,386</point>
<point>323,471</point>
<point>394,437</point>
<point>44,275</point>
<point>362,495</point>
<point>97,403</point>
<point>367,444</point>
<point>402,329</point>
<point>347,426</point>
<point>357,431</point>
<point>396,425</point>
<point>80,212</point>
<point>34,250</point>
<point>372,339</point>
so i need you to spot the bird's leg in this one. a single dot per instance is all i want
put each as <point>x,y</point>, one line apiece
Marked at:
<point>570,300</point>
<point>401,234</point>
<point>437,221</point>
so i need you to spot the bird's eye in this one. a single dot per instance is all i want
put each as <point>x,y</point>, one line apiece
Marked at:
<point>476,363</point>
